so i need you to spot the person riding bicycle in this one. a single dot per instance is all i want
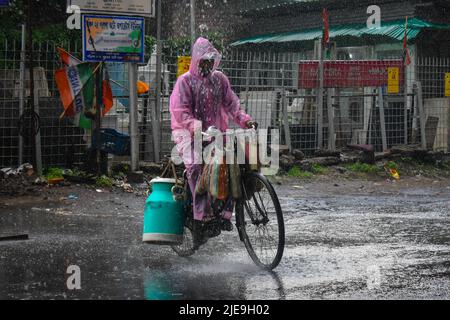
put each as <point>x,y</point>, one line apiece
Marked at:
<point>202,98</point>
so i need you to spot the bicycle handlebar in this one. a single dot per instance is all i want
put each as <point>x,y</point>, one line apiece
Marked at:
<point>216,132</point>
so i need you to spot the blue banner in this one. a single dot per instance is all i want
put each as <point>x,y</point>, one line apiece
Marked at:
<point>4,3</point>
<point>113,39</point>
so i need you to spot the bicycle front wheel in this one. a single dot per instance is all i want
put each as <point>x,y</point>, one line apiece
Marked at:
<point>186,248</point>
<point>260,221</point>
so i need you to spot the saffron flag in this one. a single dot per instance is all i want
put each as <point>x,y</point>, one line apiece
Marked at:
<point>108,100</point>
<point>326,27</point>
<point>76,88</point>
<point>406,56</point>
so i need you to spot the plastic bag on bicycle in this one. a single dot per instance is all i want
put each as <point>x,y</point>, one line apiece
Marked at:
<point>251,152</point>
<point>234,173</point>
<point>219,183</point>
<point>254,164</point>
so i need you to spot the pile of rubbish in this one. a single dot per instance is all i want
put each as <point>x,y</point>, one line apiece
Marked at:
<point>24,180</point>
<point>19,180</point>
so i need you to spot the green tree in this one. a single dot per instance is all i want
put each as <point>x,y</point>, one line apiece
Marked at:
<point>48,21</point>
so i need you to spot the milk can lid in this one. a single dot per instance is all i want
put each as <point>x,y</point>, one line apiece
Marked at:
<point>163,180</point>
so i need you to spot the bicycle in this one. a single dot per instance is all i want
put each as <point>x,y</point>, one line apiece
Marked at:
<point>258,214</point>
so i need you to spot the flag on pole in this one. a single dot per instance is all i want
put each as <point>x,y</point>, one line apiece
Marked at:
<point>108,100</point>
<point>76,88</point>
<point>67,59</point>
<point>406,55</point>
<point>326,27</point>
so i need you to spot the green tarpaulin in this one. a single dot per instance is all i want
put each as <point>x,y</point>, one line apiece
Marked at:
<point>392,29</point>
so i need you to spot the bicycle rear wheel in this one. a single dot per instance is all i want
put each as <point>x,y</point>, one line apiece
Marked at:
<point>260,221</point>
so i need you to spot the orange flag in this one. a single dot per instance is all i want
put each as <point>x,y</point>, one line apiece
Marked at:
<point>108,101</point>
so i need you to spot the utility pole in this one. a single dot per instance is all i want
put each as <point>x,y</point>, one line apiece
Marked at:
<point>193,37</point>
<point>156,114</point>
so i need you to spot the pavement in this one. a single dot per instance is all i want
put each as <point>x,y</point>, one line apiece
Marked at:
<point>345,239</point>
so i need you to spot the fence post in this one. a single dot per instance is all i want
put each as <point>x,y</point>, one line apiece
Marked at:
<point>247,83</point>
<point>331,131</point>
<point>414,116</point>
<point>38,133</point>
<point>422,115</point>
<point>22,89</point>
<point>405,112</point>
<point>31,72</point>
<point>287,131</point>
<point>320,100</point>
<point>382,120</point>
<point>132,76</point>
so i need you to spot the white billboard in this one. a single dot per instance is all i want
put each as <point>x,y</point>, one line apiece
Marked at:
<point>127,7</point>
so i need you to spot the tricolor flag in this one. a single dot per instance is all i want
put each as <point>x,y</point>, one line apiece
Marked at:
<point>76,88</point>
<point>406,56</point>
<point>326,27</point>
<point>67,59</point>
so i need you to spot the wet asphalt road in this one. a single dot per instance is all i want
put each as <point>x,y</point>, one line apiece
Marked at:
<point>360,240</point>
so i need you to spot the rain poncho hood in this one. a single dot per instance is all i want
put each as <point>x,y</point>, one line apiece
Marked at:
<point>203,49</point>
<point>199,102</point>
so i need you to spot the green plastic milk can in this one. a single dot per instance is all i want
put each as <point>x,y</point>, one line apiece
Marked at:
<point>163,216</point>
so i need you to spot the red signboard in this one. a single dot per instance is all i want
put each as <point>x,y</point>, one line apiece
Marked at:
<point>348,74</point>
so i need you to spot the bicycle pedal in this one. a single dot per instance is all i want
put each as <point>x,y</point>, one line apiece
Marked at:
<point>226,225</point>
<point>213,232</point>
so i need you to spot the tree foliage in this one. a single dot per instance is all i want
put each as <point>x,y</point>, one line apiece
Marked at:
<point>48,21</point>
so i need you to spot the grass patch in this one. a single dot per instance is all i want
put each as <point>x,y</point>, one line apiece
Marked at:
<point>53,173</point>
<point>445,165</point>
<point>408,160</point>
<point>296,172</point>
<point>104,182</point>
<point>318,169</point>
<point>362,167</point>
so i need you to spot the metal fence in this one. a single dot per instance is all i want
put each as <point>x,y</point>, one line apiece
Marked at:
<point>61,142</point>
<point>268,87</point>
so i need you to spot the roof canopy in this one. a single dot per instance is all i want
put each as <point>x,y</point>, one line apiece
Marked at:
<point>393,29</point>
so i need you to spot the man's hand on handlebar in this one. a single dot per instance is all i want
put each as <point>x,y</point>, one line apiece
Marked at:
<point>252,125</point>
